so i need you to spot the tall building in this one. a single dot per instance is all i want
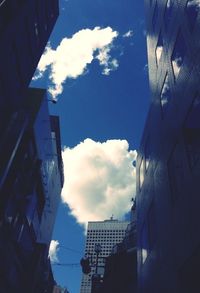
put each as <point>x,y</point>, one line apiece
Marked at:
<point>30,158</point>
<point>25,28</point>
<point>120,273</point>
<point>106,233</point>
<point>168,177</point>
<point>30,192</point>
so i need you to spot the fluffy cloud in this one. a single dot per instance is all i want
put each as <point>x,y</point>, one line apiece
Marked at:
<point>128,34</point>
<point>53,250</point>
<point>99,179</point>
<point>71,57</point>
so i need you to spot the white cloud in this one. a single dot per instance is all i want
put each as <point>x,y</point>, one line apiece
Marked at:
<point>53,250</point>
<point>71,57</point>
<point>128,34</point>
<point>99,179</point>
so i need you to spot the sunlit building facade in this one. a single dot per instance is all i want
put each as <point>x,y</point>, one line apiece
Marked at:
<point>168,165</point>
<point>106,233</point>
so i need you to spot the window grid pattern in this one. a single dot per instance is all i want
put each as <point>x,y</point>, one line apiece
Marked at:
<point>107,234</point>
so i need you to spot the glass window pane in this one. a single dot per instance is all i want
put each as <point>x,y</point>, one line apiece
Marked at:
<point>178,54</point>
<point>165,96</point>
<point>192,10</point>
<point>168,12</point>
<point>159,48</point>
<point>142,170</point>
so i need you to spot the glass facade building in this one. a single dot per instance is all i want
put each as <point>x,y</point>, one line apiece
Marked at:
<point>168,162</point>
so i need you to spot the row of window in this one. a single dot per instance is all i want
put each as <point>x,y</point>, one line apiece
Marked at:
<point>105,237</point>
<point>104,231</point>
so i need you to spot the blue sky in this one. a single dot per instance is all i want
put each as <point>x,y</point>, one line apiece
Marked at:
<point>102,113</point>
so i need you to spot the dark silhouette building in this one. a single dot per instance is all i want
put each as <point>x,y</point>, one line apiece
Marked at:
<point>29,198</point>
<point>168,177</point>
<point>25,27</point>
<point>31,175</point>
<point>121,266</point>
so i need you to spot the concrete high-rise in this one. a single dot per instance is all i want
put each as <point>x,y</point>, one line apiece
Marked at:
<point>168,177</point>
<point>106,233</point>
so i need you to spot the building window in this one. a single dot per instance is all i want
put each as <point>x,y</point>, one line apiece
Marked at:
<point>192,10</point>
<point>192,136</point>
<point>176,172</point>
<point>178,54</point>
<point>155,15</point>
<point>142,171</point>
<point>165,95</point>
<point>168,12</point>
<point>159,48</point>
<point>36,29</point>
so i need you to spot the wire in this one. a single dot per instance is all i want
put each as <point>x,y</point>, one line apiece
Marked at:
<point>66,264</point>
<point>67,248</point>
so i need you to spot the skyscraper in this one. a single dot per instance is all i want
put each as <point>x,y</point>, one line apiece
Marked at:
<point>25,28</point>
<point>168,159</point>
<point>106,233</point>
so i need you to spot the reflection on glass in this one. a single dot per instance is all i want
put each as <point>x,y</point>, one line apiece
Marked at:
<point>144,241</point>
<point>168,12</point>
<point>144,255</point>
<point>192,9</point>
<point>178,54</point>
<point>142,170</point>
<point>159,48</point>
<point>165,96</point>
<point>147,154</point>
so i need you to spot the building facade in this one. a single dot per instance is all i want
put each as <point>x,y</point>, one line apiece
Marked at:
<point>30,159</point>
<point>106,233</point>
<point>25,28</point>
<point>168,159</point>
<point>30,193</point>
<point>120,273</point>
